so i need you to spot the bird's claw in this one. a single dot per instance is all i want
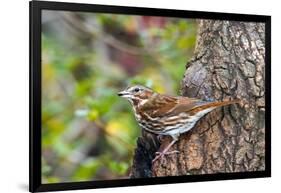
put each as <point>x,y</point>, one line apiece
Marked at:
<point>161,154</point>
<point>167,153</point>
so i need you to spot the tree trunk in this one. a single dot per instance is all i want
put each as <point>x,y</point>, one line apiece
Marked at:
<point>228,63</point>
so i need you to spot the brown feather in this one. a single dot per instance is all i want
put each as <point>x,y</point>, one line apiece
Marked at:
<point>163,105</point>
<point>211,104</point>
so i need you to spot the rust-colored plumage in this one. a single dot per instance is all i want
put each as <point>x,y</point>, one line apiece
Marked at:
<point>167,115</point>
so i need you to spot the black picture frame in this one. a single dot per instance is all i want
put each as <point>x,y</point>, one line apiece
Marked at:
<point>36,7</point>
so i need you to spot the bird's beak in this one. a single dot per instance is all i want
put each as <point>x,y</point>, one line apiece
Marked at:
<point>124,94</point>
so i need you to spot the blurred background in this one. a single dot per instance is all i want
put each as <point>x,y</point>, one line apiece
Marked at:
<point>88,132</point>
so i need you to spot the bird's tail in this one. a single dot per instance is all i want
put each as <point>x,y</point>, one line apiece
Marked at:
<point>213,105</point>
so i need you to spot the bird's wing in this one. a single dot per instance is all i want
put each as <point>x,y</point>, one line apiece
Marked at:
<point>184,104</point>
<point>162,105</point>
<point>193,106</point>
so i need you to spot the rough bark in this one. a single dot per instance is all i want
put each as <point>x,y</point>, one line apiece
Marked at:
<point>228,63</point>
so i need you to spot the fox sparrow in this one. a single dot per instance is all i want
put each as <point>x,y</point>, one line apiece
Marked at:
<point>167,115</point>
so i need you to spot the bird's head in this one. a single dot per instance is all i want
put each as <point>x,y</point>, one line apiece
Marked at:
<point>136,94</point>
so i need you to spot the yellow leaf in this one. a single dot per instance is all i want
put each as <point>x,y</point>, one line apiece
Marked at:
<point>113,127</point>
<point>93,115</point>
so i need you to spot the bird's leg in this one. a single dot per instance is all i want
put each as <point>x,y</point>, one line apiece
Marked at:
<point>165,151</point>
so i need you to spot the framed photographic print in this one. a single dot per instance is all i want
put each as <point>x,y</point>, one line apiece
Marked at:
<point>124,96</point>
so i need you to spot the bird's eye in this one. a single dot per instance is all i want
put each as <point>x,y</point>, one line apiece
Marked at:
<point>136,89</point>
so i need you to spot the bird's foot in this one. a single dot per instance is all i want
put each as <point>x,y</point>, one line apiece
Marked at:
<point>162,154</point>
<point>166,153</point>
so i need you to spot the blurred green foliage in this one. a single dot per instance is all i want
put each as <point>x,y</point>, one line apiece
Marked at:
<point>88,132</point>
